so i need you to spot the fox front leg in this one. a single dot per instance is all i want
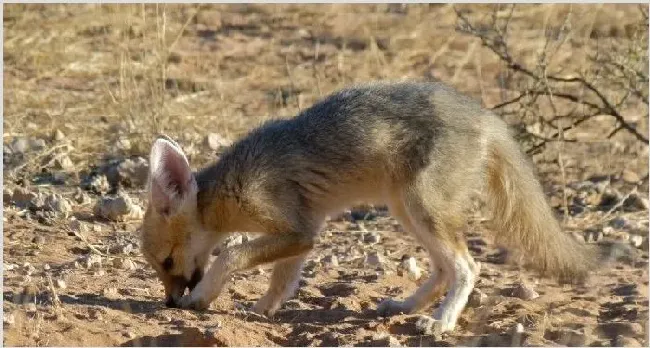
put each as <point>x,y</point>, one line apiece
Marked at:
<point>259,251</point>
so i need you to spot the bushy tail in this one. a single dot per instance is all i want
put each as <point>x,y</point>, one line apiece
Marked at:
<point>522,218</point>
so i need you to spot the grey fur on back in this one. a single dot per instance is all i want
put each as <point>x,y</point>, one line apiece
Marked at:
<point>392,129</point>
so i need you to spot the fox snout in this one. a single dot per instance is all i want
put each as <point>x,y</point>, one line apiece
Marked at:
<point>178,284</point>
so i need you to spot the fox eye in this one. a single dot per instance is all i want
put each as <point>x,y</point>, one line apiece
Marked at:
<point>168,263</point>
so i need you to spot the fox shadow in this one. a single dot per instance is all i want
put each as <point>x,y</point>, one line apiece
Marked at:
<point>88,299</point>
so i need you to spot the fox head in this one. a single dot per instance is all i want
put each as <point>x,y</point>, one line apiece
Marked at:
<point>173,240</point>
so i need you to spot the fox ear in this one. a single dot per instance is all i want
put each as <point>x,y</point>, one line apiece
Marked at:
<point>171,181</point>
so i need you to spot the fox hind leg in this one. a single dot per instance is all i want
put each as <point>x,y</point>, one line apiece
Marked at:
<point>436,221</point>
<point>434,286</point>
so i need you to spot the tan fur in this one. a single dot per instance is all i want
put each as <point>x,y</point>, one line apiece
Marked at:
<point>420,148</point>
<point>523,219</point>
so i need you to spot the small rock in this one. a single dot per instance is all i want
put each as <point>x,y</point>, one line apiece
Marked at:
<point>46,267</point>
<point>517,333</point>
<point>8,319</point>
<point>129,334</point>
<point>330,260</point>
<point>110,292</point>
<point>626,290</point>
<point>371,238</point>
<point>97,183</point>
<point>39,240</point>
<point>374,259</point>
<point>409,264</point>
<point>122,144</point>
<point>608,230</point>
<point>636,240</point>
<point>117,208</point>
<point>619,223</point>
<point>125,264</point>
<point>622,341</point>
<point>567,337</point>
<point>81,197</point>
<point>77,226</point>
<point>216,142</point>
<point>6,195</point>
<point>524,291</point>
<point>63,162</point>
<point>124,249</point>
<point>385,340</point>
<point>92,261</point>
<point>614,329</point>
<point>60,283</point>
<point>476,298</point>
<point>29,293</point>
<point>610,198</point>
<point>593,236</point>
<point>58,135</point>
<point>339,289</point>
<point>630,176</point>
<point>24,198</point>
<point>234,240</point>
<point>636,202</point>
<point>31,308</point>
<point>57,204</point>
<point>94,314</point>
<point>133,172</point>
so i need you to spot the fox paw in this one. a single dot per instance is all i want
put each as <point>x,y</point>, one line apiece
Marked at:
<point>426,325</point>
<point>189,302</point>
<point>390,307</point>
<point>265,306</point>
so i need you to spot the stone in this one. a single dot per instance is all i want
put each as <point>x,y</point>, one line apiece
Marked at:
<point>409,265</point>
<point>593,236</point>
<point>77,226</point>
<point>57,204</point>
<point>630,176</point>
<point>8,319</point>
<point>330,260</point>
<point>123,263</point>
<point>614,329</point>
<point>92,261</point>
<point>58,135</point>
<point>636,202</point>
<point>374,259</point>
<point>117,208</point>
<point>622,341</point>
<point>476,298</point>
<point>110,293</point>
<point>567,337</point>
<point>63,162</point>
<point>637,241</point>
<point>234,240</point>
<point>371,238</point>
<point>133,172</point>
<point>60,283</point>
<point>524,291</point>
<point>97,183</point>
<point>385,340</point>
<point>24,199</point>
<point>216,142</point>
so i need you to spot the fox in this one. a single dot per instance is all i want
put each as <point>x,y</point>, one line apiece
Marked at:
<point>419,148</point>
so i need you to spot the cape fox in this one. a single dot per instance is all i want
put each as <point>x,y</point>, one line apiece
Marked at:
<point>419,148</point>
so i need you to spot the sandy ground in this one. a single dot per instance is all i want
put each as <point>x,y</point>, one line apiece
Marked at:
<point>87,86</point>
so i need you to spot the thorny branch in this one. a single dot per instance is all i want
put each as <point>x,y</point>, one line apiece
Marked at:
<point>620,66</point>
